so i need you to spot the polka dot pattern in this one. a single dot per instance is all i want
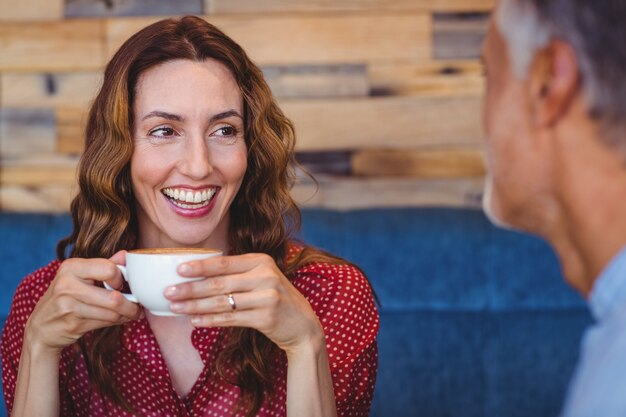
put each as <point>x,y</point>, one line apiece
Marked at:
<point>339,294</point>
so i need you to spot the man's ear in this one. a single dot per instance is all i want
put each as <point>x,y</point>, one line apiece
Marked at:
<point>554,83</point>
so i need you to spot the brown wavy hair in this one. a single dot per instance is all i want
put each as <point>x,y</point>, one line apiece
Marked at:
<point>104,215</point>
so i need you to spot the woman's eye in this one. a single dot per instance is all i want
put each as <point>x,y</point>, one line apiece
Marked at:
<point>225,135</point>
<point>162,132</point>
<point>226,131</point>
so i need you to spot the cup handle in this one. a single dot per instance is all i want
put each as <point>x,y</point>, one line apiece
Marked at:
<point>129,297</point>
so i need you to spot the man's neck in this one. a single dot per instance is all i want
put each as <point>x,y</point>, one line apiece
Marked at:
<point>594,236</point>
<point>592,209</point>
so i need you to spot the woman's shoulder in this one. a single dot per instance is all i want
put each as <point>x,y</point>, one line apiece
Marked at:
<point>328,270</point>
<point>27,295</point>
<point>34,285</point>
<point>45,274</point>
<point>336,289</point>
<point>340,276</point>
<point>343,300</point>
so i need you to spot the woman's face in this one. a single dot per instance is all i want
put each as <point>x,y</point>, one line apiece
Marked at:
<point>189,154</point>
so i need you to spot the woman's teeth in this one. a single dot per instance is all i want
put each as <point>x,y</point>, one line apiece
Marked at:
<point>189,199</point>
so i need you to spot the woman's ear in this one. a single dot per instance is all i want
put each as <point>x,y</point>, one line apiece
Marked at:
<point>554,82</point>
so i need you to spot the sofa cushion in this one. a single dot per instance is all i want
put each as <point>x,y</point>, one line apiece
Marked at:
<point>443,259</point>
<point>475,321</point>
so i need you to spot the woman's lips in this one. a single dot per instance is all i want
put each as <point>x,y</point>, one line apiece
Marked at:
<point>191,203</point>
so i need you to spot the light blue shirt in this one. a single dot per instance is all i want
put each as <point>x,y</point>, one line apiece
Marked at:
<point>598,388</point>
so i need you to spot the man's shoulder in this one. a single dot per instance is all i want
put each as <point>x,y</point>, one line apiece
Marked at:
<point>599,382</point>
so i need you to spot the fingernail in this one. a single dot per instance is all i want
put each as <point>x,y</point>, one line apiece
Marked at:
<point>184,269</point>
<point>171,290</point>
<point>195,320</point>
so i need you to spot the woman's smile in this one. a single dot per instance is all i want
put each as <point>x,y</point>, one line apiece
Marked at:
<point>189,202</point>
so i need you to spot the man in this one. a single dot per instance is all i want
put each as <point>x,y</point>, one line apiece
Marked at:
<point>555,119</point>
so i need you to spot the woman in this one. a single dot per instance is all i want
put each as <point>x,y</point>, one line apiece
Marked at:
<point>186,147</point>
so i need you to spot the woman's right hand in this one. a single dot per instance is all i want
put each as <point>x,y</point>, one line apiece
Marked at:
<point>73,305</point>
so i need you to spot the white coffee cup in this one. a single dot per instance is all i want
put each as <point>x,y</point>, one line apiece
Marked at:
<point>150,271</point>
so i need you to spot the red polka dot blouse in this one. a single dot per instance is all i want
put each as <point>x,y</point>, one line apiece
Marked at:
<point>339,295</point>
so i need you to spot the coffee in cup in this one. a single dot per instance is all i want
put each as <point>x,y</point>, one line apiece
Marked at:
<point>149,271</point>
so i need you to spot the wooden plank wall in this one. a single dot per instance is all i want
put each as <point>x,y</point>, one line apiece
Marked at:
<point>385,94</point>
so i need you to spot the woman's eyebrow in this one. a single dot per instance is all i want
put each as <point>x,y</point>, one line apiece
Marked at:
<point>226,114</point>
<point>170,116</point>
<point>164,115</point>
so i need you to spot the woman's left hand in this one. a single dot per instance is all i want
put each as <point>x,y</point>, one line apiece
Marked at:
<point>264,299</point>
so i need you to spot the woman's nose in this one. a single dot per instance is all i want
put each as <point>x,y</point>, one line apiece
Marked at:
<point>195,160</point>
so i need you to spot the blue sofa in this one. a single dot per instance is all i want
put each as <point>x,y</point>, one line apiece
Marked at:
<point>475,321</point>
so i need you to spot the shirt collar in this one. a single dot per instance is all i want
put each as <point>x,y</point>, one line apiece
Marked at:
<point>609,290</point>
<point>138,337</point>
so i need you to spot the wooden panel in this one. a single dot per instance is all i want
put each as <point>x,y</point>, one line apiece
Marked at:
<point>445,78</point>
<point>71,125</point>
<point>329,163</point>
<point>71,45</point>
<point>80,88</point>
<point>427,163</point>
<point>39,171</point>
<point>459,36</point>
<point>49,90</point>
<point>351,193</point>
<point>322,81</point>
<point>313,39</point>
<point>30,10</point>
<point>84,8</point>
<point>49,199</point>
<point>26,131</point>
<point>327,125</point>
<point>282,6</point>
<point>391,122</point>
<point>385,97</point>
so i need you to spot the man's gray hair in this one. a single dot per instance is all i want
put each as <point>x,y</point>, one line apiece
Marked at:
<point>596,29</point>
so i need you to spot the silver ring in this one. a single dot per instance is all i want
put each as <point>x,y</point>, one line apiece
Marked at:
<point>231,301</point>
